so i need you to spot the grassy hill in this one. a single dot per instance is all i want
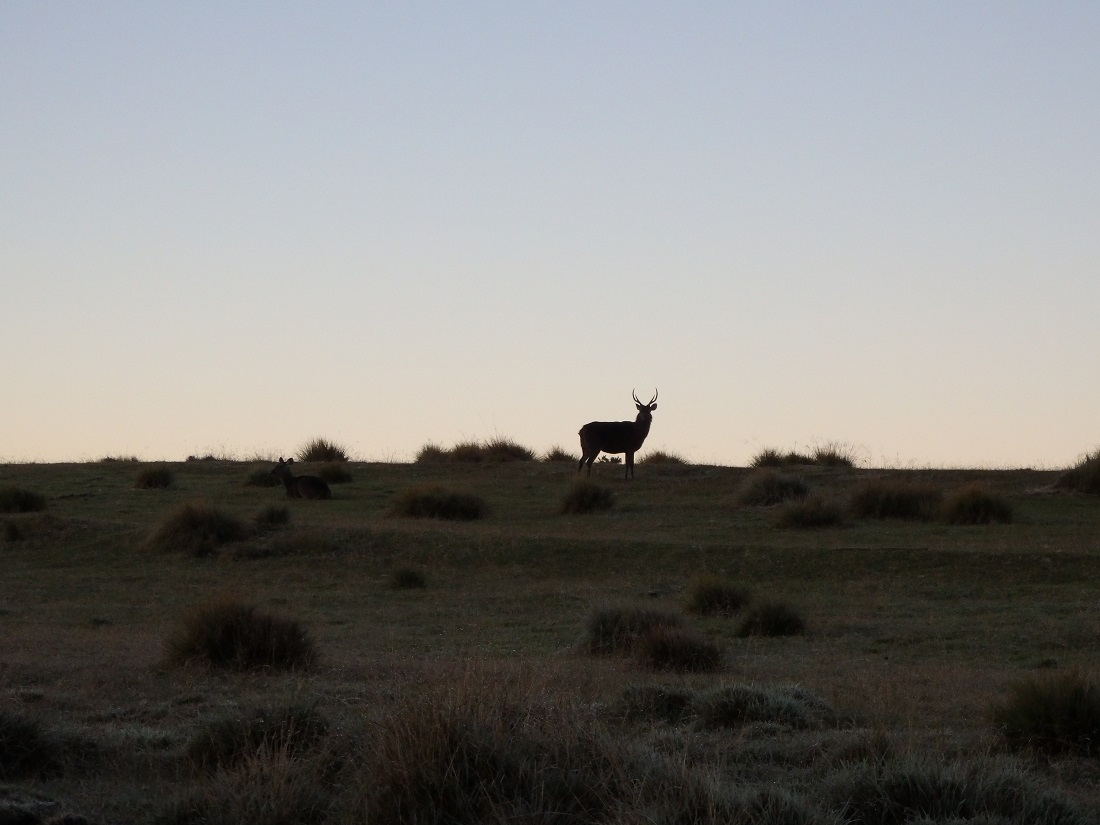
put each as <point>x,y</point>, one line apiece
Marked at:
<point>451,676</point>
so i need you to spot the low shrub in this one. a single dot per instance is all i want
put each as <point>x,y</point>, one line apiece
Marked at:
<point>924,790</point>
<point>438,502</point>
<point>1084,477</point>
<point>1058,714</point>
<point>196,528</point>
<point>661,457</point>
<point>557,454</point>
<point>272,517</point>
<point>766,487</point>
<point>232,739</point>
<point>617,628</point>
<point>834,455</point>
<point>811,512</point>
<point>503,449</point>
<point>334,473</point>
<point>679,649</point>
<point>408,578</point>
<point>974,504</point>
<point>732,706</point>
<point>586,497</point>
<point>154,477</point>
<point>15,499</point>
<point>772,619</point>
<point>714,595</point>
<point>896,499</point>
<point>262,477</point>
<point>26,750</point>
<point>432,454</point>
<point>769,457</point>
<point>320,450</point>
<point>227,633</point>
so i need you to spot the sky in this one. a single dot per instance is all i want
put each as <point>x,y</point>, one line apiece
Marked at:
<point>232,228</point>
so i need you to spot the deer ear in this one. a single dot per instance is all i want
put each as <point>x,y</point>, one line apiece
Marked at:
<point>290,460</point>
<point>653,406</point>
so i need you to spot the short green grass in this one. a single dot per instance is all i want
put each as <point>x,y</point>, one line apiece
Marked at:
<point>916,634</point>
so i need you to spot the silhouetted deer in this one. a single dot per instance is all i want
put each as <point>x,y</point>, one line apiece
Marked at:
<point>300,486</point>
<point>617,436</point>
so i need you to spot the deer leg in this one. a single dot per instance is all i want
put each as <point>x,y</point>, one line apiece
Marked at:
<point>629,466</point>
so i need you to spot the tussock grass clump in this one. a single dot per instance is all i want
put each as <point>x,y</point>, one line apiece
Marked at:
<point>770,457</point>
<point>678,649</point>
<point>810,513</point>
<point>495,450</point>
<point>233,739</point>
<point>559,455</point>
<point>198,529</point>
<point>662,457</point>
<point>652,703</point>
<point>835,455</point>
<point>14,499</point>
<point>321,450</point>
<point>272,517</point>
<point>925,790</point>
<point>884,498</point>
<point>262,477</point>
<point>772,619</point>
<point>732,706</point>
<point>586,497</point>
<point>26,750</point>
<point>438,502</point>
<point>975,504</point>
<point>408,578</point>
<point>334,473</point>
<point>1057,714</point>
<point>714,595</point>
<point>767,487</point>
<point>155,477</point>
<point>227,633</point>
<point>1084,477</point>
<point>617,628</point>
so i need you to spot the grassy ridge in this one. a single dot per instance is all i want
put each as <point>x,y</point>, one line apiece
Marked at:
<point>914,629</point>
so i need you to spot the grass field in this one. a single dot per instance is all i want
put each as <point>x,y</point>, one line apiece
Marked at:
<point>470,695</point>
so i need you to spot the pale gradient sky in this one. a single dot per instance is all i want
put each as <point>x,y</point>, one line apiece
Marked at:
<point>234,227</point>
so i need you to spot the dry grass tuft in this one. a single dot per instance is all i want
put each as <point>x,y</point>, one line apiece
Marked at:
<point>714,595</point>
<point>678,649</point>
<point>586,497</point>
<point>15,499</point>
<point>321,450</point>
<point>975,504</point>
<point>155,477</point>
<point>884,498</point>
<point>197,529</point>
<point>1058,714</point>
<point>617,628</point>
<point>227,633</point>
<point>1084,477</point>
<point>772,619</point>
<point>767,487</point>
<point>433,501</point>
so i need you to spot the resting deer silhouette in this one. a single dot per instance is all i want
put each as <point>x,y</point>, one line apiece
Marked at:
<point>300,486</point>
<point>617,436</point>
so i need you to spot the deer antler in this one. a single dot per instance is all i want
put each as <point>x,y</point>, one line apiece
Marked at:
<point>654,399</point>
<point>635,394</point>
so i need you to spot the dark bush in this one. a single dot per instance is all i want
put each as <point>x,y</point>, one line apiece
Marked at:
<point>714,595</point>
<point>432,454</point>
<point>26,751</point>
<point>769,457</point>
<point>154,477</point>
<point>18,500</point>
<point>230,634</point>
<point>319,450</point>
<point>197,529</point>
<point>232,739</point>
<point>1058,714</point>
<point>661,457</point>
<point>272,516</point>
<point>557,454</point>
<point>772,619</point>
<point>810,513</point>
<point>437,502</point>
<point>334,473</point>
<point>974,504</point>
<point>678,649</point>
<point>408,578</point>
<point>889,498</point>
<point>1084,477</point>
<point>586,497</point>
<point>616,629</point>
<point>767,487</point>
<point>503,449</point>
